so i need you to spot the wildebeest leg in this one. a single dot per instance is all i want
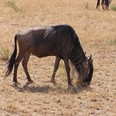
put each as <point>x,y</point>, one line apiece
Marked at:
<point>98,4</point>
<point>72,70</point>
<point>55,69</point>
<point>66,62</point>
<point>18,60</point>
<point>107,4</point>
<point>24,63</point>
<point>103,3</point>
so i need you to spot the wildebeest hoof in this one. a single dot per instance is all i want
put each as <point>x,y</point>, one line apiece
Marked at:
<point>53,81</point>
<point>16,84</point>
<point>72,89</point>
<point>86,84</point>
<point>70,86</point>
<point>29,82</point>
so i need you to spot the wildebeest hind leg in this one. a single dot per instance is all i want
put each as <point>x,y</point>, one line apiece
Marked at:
<point>57,61</point>
<point>24,64</point>
<point>18,60</point>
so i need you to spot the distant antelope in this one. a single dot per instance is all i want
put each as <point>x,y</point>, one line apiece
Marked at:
<point>105,4</point>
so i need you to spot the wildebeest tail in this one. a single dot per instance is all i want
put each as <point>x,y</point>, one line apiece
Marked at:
<point>12,58</point>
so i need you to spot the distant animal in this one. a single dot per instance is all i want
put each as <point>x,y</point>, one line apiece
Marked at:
<point>105,4</point>
<point>60,41</point>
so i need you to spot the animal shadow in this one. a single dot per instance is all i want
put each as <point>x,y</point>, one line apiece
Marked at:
<point>53,88</point>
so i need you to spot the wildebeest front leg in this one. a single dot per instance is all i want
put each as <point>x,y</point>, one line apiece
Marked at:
<point>98,4</point>
<point>66,61</point>
<point>103,4</point>
<point>55,70</point>
<point>24,63</point>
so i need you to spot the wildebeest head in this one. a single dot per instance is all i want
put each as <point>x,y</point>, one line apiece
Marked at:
<point>86,70</point>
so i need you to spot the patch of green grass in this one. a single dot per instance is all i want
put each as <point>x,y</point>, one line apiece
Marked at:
<point>12,4</point>
<point>113,8</point>
<point>4,54</point>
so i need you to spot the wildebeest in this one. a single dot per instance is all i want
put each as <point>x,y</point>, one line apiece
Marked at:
<point>60,41</point>
<point>105,4</point>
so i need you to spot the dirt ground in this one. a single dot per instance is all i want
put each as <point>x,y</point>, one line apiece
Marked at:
<point>97,33</point>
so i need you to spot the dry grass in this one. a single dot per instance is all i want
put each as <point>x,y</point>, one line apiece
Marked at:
<point>12,4</point>
<point>4,54</point>
<point>97,32</point>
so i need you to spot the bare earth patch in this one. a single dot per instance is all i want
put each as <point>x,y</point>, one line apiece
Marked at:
<point>97,32</point>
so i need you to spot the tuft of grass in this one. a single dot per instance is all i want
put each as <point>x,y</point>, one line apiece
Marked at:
<point>11,107</point>
<point>4,54</point>
<point>113,8</point>
<point>113,42</point>
<point>87,5</point>
<point>12,4</point>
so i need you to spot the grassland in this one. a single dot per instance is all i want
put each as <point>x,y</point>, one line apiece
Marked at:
<point>97,33</point>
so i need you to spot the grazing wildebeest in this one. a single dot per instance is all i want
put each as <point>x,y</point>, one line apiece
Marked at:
<point>60,41</point>
<point>105,4</point>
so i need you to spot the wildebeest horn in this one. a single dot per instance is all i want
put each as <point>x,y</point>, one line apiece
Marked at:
<point>90,58</point>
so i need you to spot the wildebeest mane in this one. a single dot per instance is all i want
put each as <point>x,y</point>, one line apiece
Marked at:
<point>59,36</point>
<point>66,30</point>
<point>61,32</point>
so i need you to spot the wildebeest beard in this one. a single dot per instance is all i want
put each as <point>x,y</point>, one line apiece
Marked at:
<point>83,67</point>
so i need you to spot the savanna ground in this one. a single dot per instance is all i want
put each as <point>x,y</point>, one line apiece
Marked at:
<point>97,32</point>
